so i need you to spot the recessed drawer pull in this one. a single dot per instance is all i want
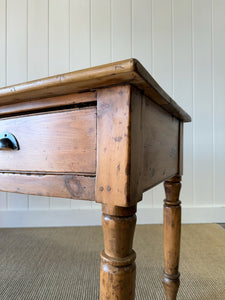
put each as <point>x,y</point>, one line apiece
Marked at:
<point>8,141</point>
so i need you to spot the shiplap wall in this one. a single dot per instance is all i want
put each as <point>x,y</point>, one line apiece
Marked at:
<point>180,42</point>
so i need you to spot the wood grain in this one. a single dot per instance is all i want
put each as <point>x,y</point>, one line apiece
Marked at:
<point>47,103</point>
<point>65,186</point>
<point>127,71</point>
<point>172,230</point>
<point>68,148</point>
<point>118,269</point>
<point>136,146</point>
<point>161,147</point>
<point>181,142</point>
<point>63,141</point>
<point>113,156</point>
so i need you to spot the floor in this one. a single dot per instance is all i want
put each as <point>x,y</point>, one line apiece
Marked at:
<point>63,263</point>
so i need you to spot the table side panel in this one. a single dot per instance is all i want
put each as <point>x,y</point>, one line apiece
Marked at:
<point>181,146</point>
<point>161,144</point>
<point>136,145</point>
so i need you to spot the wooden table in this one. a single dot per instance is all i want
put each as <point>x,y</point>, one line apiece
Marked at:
<point>105,134</point>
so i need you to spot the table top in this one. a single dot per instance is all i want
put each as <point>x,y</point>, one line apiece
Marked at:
<point>128,71</point>
<point>106,133</point>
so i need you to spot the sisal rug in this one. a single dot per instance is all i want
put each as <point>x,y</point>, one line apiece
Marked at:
<point>63,263</point>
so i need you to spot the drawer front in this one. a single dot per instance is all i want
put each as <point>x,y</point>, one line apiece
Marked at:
<point>63,141</point>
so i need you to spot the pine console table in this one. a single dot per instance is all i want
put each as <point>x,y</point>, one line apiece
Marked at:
<point>105,134</point>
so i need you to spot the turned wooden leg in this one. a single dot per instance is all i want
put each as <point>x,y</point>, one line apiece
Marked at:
<point>172,227</point>
<point>118,269</point>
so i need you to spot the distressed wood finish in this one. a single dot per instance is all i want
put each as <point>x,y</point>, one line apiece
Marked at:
<point>113,121</point>
<point>118,269</point>
<point>136,145</point>
<point>45,104</point>
<point>65,185</point>
<point>161,144</point>
<point>106,134</point>
<point>126,71</point>
<point>181,139</point>
<point>172,228</point>
<point>63,141</point>
<point>119,146</point>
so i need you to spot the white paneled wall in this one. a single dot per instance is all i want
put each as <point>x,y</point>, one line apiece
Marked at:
<point>180,42</point>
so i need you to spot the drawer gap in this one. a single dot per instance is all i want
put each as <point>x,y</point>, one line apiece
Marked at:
<point>49,109</point>
<point>41,173</point>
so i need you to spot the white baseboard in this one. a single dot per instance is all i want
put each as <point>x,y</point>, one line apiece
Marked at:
<point>91,217</point>
<point>189,215</point>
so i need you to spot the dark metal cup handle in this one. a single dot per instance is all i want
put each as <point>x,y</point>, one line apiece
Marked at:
<point>8,142</point>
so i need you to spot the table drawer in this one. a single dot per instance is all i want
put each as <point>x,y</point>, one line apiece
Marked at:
<point>62,141</point>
